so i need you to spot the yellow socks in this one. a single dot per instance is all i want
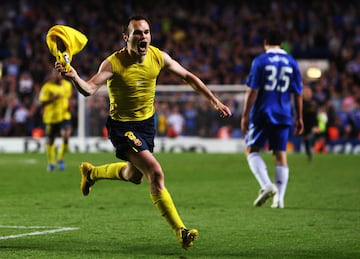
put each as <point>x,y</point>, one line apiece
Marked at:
<point>50,153</point>
<point>166,206</point>
<point>63,149</point>
<point>108,171</point>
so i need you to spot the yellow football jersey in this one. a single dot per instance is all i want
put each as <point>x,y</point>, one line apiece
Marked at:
<point>132,86</point>
<point>58,110</point>
<point>66,99</point>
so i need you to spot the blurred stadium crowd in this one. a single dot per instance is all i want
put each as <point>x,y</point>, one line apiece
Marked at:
<point>217,40</point>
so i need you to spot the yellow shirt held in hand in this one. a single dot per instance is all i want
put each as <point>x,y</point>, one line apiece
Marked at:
<point>71,39</point>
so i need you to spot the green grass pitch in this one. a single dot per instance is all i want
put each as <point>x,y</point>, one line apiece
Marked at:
<point>44,215</point>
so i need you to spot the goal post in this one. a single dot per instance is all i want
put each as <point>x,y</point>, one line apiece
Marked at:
<point>92,110</point>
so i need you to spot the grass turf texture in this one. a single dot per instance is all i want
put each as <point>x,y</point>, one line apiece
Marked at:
<point>212,192</point>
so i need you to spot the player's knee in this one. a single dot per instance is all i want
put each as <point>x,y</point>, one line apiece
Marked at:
<point>131,174</point>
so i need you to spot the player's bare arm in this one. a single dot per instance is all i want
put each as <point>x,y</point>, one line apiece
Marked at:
<point>248,103</point>
<point>91,86</point>
<point>299,124</point>
<point>174,67</point>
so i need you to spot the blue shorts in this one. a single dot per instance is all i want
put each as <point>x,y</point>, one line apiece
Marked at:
<point>276,135</point>
<point>54,129</point>
<point>66,124</point>
<point>131,135</point>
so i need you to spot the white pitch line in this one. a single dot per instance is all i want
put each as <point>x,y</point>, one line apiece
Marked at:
<point>1,226</point>
<point>34,233</point>
<point>25,161</point>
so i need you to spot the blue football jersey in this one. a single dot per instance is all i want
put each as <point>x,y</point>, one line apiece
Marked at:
<point>276,75</point>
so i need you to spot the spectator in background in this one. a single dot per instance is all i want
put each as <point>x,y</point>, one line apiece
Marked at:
<point>25,86</point>
<point>12,65</point>
<point>319,91</point>
<point>21,117</point>
<point>162,109</point>
<point>5,128</point>
<point>352,127</point>
<point>190,114</point>
<point>332,131</point>
<point>175,122</point>
<point>204,120</point>
<point>323,119</point>
<point>353,66</point>
<point>310,110</point>
<point>6,113</point>
<point>224,132</point>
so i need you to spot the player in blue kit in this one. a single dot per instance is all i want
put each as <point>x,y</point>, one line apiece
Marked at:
<point>267,115</point>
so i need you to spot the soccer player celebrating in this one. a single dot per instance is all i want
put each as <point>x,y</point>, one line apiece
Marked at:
<point>131,74</point>
<point>267,115</point>
<point>54,97</point>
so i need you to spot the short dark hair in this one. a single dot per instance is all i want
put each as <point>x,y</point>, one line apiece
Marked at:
<point>134,18</point>
<point>274,37</point>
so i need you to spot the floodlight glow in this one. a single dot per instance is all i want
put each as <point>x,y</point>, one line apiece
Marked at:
<point>313,73</point>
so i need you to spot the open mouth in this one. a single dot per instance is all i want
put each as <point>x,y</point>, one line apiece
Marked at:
<point>142,45</point>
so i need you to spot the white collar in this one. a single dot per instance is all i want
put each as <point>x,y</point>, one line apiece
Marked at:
<point>276,51</point>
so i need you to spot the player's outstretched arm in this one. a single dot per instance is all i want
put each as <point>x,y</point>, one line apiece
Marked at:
<point>196,83</point>
<point>91,86</point>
